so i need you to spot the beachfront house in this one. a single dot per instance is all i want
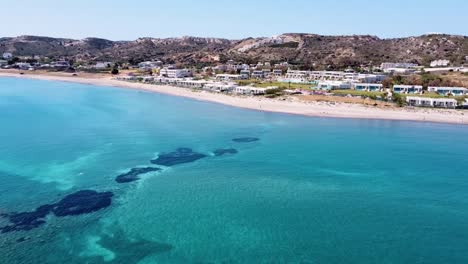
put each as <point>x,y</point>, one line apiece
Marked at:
<point>431,102</point>
<point>220,87</point>
<point>408,89</point>
<point>333,85</point>
<point>250,90</point>
<point>62,64</point>
<point>448,90</point>
<point>371,87</point>
<point>175,73</point>
<point>3,63</point>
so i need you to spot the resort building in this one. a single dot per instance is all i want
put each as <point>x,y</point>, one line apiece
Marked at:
<point>448,90</point>
<point>333,85</point>
<point>250,90</point>
<point>399,65</point>
<point>407,89</point>
<point>228,77</point>
<point>258,74</point>
<point>220,87</point>
<point>245,74</point>
<point>440,63</point>
<point>175,73</point>
<point>431,102</point>
<point>150,65</point>
<point>277,72</point>
<point>334,76</point>
<point>367,87</point>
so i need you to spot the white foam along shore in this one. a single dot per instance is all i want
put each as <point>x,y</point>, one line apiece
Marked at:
<point>316,109</point>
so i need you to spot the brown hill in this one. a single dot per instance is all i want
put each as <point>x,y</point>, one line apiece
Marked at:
<point>302,49</point>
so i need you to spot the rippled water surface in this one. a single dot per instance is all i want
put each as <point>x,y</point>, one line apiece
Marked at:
<point>225,185</point>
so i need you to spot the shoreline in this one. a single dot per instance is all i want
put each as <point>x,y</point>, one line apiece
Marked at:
<point>291,106</point>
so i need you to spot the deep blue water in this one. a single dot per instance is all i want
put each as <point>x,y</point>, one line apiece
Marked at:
<point>310,190</point>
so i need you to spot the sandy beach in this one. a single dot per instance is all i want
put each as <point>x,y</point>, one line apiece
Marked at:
<point>290,105</point>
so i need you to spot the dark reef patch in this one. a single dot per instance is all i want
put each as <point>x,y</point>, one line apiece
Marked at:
<point>245,139</point>
<point>133,174</point>
<point>81,202</point>
<point>180,156</point>
<point>26,221</point>
<point>221,152</point>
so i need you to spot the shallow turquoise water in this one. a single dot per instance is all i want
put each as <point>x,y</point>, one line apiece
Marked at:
<point>311,190</point>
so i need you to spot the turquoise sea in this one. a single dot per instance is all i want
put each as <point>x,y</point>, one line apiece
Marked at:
<point>309,190</point>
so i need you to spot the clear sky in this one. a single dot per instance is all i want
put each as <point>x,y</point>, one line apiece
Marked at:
<point>130,19</point>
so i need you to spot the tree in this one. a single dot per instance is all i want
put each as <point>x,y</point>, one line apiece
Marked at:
<point>115,71</point>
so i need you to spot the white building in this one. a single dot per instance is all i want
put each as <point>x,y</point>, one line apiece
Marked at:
<point>367,87</point>
<point>228,77</point>
<point>150,65</point>
<point>220,87</point>
<point>398,65</point>
<point>333,76</point>
<point>277,72</point>
<point>23,65</point>
<point>333,85</point>
<point>60,64</point>
<point>245,74</point>
<point>448,90</point>
<point>102,65</point>
<point>250,90</point>
<point>7,55</point>
<point>175,73</point>
<point>407,89</point>
<point>431,102</point>
<point>440,63</point>
<point>258,74</point>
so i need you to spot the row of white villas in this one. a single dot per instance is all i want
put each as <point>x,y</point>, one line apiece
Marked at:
<point>448,90</point>
<point>304,76</point>
<point>431,102</point>
<point>213,86</point>
<point>408,89</point>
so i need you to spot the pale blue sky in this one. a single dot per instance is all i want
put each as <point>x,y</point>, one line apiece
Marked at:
<point>127,20</point>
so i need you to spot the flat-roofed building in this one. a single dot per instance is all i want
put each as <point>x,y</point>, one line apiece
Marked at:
<point>408,89</point>
<point>175,73</point>
<point>333,85</point>
<point>448,90</point>
<point>228,77</point>
<point>367,87</point>
<point>431,102</point>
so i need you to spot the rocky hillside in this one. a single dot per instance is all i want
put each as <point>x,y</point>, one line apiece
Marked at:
<point>308,50</point>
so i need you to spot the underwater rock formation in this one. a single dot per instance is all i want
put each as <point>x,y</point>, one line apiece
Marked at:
<point>133,174</point>
<point>81,202</point>
<point>245,139</point>
<point>180,156</point>
<point>221,152</point>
